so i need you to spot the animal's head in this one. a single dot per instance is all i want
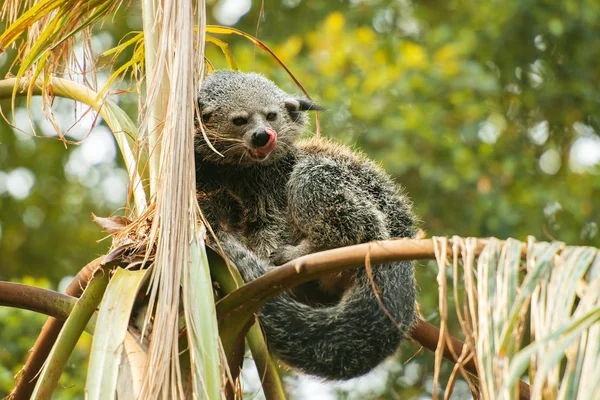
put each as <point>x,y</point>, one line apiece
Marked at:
<point>248,119</point>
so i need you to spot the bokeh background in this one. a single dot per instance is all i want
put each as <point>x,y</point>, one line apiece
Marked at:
<point>487,113</point>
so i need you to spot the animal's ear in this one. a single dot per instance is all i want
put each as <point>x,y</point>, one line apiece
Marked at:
<point>206,112</point>
<point>295,107</point>
<point>295,104</point>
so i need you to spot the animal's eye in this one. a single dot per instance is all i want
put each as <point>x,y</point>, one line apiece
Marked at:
<point>206,117</point>
<point>240,121</point>
<point>271,116</point>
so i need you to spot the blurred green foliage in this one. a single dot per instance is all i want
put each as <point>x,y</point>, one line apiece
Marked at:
<point>487,113</point>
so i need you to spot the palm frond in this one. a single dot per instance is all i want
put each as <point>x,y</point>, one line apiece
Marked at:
<point>110,334</point>
<point>134,66</point>
<point>558,287</point>
<point>50,29</point>
<point>225,49</point>
<point>174,60</point>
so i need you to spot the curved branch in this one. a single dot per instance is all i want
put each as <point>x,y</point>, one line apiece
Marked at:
<point>36,299</point>
<point>253,294</point>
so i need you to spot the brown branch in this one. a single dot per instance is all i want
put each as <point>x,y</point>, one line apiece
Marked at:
<point>311,266</point>
<point>36,299</point>
<point>40,350</point>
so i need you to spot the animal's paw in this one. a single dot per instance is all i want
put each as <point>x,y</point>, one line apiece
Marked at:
<point>246,262</point>
<point>287,252</point>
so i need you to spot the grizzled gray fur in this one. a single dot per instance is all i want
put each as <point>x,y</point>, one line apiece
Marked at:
<point>272,198</point>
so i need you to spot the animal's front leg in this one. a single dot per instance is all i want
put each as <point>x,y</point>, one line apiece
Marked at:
<point>286,252</point>
<point>247,263</point>
<point>330,208</point>
<point>265,235</point>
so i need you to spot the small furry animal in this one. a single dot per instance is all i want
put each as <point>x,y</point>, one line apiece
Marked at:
<point>272,198</point>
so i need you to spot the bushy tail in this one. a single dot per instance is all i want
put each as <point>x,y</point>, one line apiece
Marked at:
<point>342,341</point>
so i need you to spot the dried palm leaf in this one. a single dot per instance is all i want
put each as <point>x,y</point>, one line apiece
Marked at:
<point>558,295</point>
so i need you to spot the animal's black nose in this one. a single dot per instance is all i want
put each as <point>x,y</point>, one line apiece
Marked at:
<point>260,138</point>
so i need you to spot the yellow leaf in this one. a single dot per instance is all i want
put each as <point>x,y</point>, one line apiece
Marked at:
<point>446,58</point>
<point>334,22</point>
<point>381,57</point>
<point>351,82</point>
<point>290,49</point>
<point>413,56</point>
<point>365,35</point>
<point>375,81</point>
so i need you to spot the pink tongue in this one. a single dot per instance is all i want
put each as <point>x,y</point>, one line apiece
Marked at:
<point>266,149</point>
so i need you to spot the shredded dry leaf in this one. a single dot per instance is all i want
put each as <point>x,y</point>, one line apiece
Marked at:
<point>558,296</point>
